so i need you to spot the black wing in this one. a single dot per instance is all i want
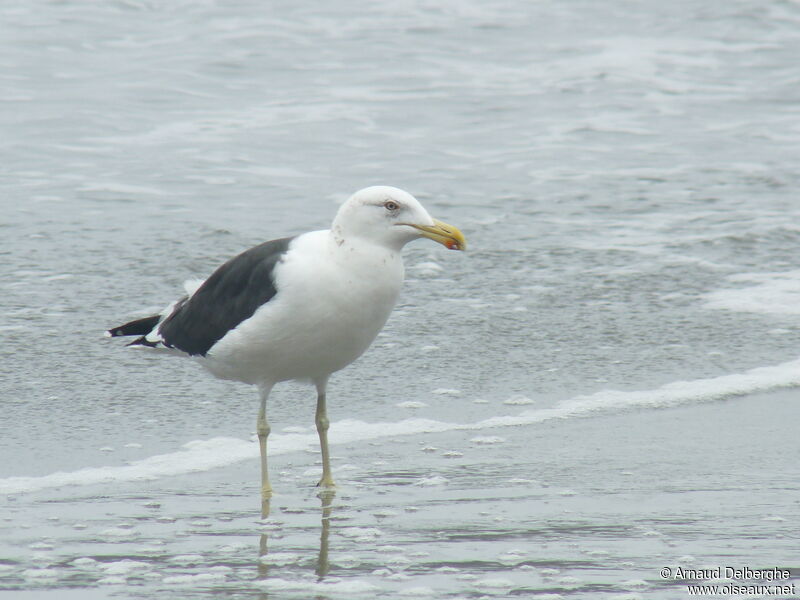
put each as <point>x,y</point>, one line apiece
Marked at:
<point>232,294</point>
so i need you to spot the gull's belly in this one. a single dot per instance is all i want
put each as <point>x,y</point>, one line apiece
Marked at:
<point>328,345</point>
<point>312,328</point>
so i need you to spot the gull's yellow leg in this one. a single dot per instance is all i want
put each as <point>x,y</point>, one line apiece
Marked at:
<point>321,420</point>
<point>263,429</point>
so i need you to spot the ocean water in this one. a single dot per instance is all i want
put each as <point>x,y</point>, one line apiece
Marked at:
<point>603,386</point>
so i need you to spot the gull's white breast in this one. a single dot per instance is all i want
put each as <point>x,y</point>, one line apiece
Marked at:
<point>332,301</point>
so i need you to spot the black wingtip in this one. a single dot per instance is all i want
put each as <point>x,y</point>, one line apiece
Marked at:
<point>137,327</point>
<point>143,341</point>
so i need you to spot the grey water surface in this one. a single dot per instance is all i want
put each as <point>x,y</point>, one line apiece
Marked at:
<point>605,385</point>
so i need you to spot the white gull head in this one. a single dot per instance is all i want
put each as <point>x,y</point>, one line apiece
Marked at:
<point>391,217</point>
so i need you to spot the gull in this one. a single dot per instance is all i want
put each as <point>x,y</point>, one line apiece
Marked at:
<point>298,308</point>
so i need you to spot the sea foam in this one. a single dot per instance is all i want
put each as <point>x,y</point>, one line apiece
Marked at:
<point>204,455</point>
<point>773,293</point>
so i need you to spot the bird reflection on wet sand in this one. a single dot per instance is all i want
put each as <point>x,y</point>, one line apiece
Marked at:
<point>323,564</point>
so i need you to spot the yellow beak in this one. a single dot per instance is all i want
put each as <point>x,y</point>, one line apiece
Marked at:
<point>443,233</point>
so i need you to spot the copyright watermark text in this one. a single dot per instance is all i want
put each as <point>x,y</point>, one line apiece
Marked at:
<point>731,581</point>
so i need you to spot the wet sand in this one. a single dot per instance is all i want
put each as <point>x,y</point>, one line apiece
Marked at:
<point>581,507</point>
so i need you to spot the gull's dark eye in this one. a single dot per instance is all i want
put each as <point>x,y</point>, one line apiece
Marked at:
<point>391,206</point>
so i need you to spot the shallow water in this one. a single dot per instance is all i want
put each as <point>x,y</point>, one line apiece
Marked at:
<point>589,394</point>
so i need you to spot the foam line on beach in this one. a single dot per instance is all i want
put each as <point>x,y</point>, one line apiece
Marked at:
<point>204,455</point>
